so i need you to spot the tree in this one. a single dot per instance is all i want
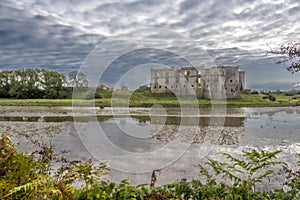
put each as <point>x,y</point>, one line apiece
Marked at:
<point>291,54</point>
<point>143,88</point>
<point>31,77</point>
<point>78,80</point>
<point>5,83</point>
<point>31,83</point>
<point>102,87</point>
<point>124,88</point>
<point>53,84</point>
<point>22,83</point>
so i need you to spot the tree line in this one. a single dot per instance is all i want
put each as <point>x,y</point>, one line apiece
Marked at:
<point>39,83</point>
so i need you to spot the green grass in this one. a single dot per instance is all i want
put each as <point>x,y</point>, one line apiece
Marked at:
<point>147,99</point>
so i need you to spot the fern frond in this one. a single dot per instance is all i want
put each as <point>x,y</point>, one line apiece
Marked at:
<point>29,187</point>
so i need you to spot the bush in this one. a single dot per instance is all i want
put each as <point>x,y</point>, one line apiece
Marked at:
<point>254,92</point>
<point>28,176</point>
<point>265,97</point>
<point>143,88</point>
<point>246,91</point>
<point>290,93</point>
<point>265,92</point>
<point>271,97</point>
<point>93,95</point>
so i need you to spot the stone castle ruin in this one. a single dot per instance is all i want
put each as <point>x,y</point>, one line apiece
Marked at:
<point>211,83</point>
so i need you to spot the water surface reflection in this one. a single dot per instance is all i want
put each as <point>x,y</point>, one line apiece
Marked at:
<point>268,128</point>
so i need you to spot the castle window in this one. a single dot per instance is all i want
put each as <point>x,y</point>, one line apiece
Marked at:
<point>230,81</point>
<point>160,86</point>
<point>231,90</point>
<point>165,87</point>
<point>177,78</point>
<point>167,77</point>
<point>185,72</point>
<point>154,87</point>
<point>192,86</point>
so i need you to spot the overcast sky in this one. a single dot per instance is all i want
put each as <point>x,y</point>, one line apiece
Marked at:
<point>59,34</point>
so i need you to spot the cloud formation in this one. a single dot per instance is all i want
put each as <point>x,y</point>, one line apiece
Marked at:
<point>59,34</point>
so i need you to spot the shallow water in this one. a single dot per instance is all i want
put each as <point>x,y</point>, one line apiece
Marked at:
<point>136,144</point>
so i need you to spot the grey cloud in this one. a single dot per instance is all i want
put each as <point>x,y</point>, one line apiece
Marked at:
<point>60,34</point>
<point>36,40</point>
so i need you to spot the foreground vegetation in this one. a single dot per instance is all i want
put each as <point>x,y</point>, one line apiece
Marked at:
<point>32,176</point>
<point>103,98</point>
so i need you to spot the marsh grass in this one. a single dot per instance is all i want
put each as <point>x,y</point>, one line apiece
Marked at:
<point>148,99</point>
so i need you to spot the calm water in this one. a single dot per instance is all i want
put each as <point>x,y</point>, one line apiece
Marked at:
<point>135,145</point>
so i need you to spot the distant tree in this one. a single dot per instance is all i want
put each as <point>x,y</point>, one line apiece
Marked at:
<point>291,54</point>
<point>290,93</point>
<point>93,95</point>
<point>254,92</point>
<point>31,83</point>
<point>124,88</point>
<point>102,87</point>
<point>31,77</point>
<point>143,88</point>
<point>78,80</point>
<point>24,83</point>
<point>5,83</point>
<point>53,84</point>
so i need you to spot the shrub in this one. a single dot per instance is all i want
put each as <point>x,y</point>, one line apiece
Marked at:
<point>290,93</point>
<point>265,92</point>
<point>254,92</point>
<point>265,97</point>
<point>246,91</point>
<point>292,180</point>
<point>143,88</point>
<point>271,97</point>
<point>28,176</point>
<point>93,95</point>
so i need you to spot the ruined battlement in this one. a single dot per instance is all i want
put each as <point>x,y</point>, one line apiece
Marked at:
<point>211,83</point>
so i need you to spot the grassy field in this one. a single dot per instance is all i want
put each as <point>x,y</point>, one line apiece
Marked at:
<point>147,99</point>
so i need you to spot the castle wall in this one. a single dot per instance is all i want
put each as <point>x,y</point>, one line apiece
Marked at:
<point>215,83</point>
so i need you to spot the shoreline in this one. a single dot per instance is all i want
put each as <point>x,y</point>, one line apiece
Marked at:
<point>148,100</point>
<point>69,104</point>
